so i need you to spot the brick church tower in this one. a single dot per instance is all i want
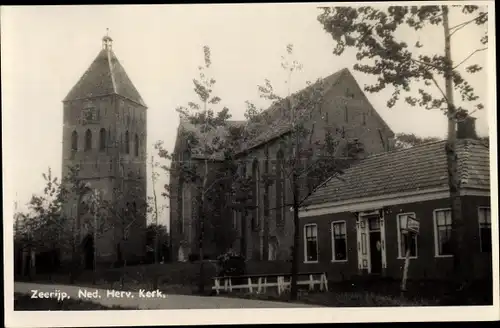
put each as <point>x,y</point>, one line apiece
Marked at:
<point>104,134</point>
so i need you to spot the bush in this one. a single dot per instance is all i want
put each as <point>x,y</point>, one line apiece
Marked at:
<point>231,265</point>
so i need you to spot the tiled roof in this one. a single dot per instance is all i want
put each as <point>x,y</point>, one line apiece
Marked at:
<point>105,76</point>
<point>418,168</point>
<point>280,121</point>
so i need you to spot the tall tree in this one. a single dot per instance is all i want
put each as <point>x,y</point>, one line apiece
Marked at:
<point>377,36</point>
<point>125,212</point>
<point>307,162</point>
<point>154,179</point>
<point>47,226</point>
<point>205,141</point>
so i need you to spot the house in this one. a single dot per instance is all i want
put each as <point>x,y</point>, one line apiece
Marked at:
<point>265,231</point>
<point>357,225</point>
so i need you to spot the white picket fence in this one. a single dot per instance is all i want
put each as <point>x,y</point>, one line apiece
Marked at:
<point>260,284</point>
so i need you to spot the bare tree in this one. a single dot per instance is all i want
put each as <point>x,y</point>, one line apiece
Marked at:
<point>205,141</point>
<point>306,163</point>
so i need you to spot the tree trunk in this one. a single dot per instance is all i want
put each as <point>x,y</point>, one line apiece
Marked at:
<point>458,232</point>
<point>156,211</point>
<point>295,187</point>
<point>201,216</point>
<point>296,240</point>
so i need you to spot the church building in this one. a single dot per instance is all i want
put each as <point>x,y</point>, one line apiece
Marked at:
<point>105,135</point>
<point>264,230</point>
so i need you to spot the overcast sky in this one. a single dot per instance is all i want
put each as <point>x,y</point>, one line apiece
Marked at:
<point>45,50</point>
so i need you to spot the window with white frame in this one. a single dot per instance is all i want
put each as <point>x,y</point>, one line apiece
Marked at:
<point>311,242</point>
<point>484,218</point>
<point>407,240</point>
<point>339,241</point>
<point>442,228</point>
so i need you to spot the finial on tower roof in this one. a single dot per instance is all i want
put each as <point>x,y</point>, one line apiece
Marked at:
<point>107,41</point>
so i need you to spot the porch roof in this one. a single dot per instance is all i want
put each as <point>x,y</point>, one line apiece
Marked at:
<point>418,168</point>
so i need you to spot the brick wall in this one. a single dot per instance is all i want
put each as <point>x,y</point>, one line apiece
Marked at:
<point>426,266</point>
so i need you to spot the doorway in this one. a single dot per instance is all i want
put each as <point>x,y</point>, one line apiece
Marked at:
<point>88,252</point>
<point>273,248</point>
<point>371,240</point>
<point>375,245</point>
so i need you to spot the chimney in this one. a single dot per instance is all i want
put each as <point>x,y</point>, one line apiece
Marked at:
<point>466,128</point>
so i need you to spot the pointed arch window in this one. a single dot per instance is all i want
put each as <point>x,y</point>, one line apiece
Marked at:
<point>256,193</point>
<point>127,143</point>
<point>88,140</point>
<point>280,189</point>
<point>136,145</point>
<point>74,141</point>
<point>102,139</point>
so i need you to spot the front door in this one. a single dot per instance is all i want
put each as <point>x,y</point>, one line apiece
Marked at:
<point>375,245</point>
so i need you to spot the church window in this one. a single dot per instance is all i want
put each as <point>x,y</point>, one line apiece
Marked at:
<point>280,189</point>
<point>256,193</point>
<point>88,140</point>
<point>74,141</point>
<point>102,139</point>
<point>127,143</point>
<point>136,145</point>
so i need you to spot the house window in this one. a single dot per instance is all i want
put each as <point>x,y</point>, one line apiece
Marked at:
<point>407,240</point>
<point>136,144</point>
<point>127,143</point>
<point>442,229</point>
<point>88,140</point>
<point>485,229</point>
<point>339,241</point>
<point>311,242</point>
<point>102,139</point>
<point>74,141</point>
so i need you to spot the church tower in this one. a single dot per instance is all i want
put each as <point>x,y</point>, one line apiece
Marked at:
<point>104,134</point>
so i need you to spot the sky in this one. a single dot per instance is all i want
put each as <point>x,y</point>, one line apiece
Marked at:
<point>45,50</point>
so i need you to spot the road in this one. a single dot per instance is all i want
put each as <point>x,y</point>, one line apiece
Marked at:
<point>136,300</point>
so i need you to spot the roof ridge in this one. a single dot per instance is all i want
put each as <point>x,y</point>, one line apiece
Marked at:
<point>105,76</point>
<point>389,152</point>
<point>108,55</point>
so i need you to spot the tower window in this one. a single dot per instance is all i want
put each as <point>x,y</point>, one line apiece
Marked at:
<point>136,144</point>
<point>102,139</point>
<point>88,140</point>
<point>127,143</point>
<point>74,141</point>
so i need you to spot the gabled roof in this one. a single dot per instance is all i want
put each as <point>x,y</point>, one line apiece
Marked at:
<point>281,120</point>
<point>418,168</point>
<point>105,76</point>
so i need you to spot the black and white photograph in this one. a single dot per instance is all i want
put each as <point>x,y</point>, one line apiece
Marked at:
<point>204,163</point>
